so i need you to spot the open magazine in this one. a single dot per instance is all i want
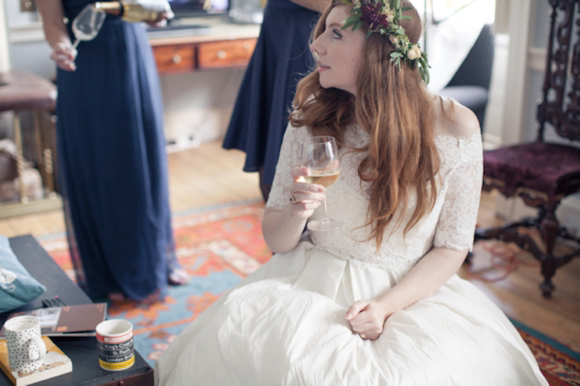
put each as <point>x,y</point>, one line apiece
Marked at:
<point>76,320</point>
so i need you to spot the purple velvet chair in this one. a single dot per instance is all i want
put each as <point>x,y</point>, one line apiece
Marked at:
<point>543,173</point>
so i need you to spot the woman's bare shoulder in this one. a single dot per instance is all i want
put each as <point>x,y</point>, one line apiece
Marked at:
<point>454,119</point>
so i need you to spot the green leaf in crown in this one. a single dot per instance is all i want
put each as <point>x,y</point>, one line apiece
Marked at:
<point>383,17</point>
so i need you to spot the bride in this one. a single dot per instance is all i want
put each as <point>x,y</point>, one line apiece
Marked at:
<point>377,301</point>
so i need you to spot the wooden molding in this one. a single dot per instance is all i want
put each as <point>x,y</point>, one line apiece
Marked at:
<point>537,58</point>
<point>28,33</point>
<point>4,52</point>
<point>521,15</point>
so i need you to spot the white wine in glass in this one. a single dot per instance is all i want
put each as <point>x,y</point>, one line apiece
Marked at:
<point>320,156</point>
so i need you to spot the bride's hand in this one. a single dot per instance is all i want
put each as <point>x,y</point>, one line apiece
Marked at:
<point>304,197</point>
<point>367,318</point>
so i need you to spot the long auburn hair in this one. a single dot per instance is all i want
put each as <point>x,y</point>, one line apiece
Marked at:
<point>393,105</point>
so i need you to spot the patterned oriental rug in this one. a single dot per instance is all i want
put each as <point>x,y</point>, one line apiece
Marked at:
<point>219,246</point>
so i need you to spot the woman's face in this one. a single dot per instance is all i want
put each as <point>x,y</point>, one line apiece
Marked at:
<point>339,52</point>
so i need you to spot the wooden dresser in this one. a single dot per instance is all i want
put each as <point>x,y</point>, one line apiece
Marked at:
<point>226,45</point>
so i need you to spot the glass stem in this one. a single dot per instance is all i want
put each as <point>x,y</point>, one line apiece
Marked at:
<point>324,216</point>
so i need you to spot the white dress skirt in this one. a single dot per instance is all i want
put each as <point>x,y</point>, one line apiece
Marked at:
<point>285,324</point>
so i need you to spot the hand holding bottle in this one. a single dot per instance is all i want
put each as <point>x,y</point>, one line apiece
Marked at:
<point>162,22</point>
<point>150,11</point>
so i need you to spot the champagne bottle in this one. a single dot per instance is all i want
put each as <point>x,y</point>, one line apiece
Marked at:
<point>136,10</point>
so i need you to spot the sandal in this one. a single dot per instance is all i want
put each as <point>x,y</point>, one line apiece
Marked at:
<point>177,276</point>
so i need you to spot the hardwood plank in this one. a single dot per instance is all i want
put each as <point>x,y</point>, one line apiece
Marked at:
<point>546,321</point>
<point>6,229</point>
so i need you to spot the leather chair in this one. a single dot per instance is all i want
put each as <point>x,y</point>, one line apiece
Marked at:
<point>470,84</point>
<point>20,91</point>
<point>543,173</point>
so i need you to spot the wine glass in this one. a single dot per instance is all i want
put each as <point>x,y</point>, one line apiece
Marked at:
<point>87,24</point>
<point>320,156</point>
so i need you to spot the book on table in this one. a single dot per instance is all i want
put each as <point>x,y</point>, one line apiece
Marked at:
<point>55,363</point>
<point>75,320</point>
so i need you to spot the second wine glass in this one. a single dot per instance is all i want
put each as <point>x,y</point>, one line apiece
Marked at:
<point>320,156</point>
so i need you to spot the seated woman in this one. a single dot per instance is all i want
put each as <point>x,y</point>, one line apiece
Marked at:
<point>377,301</point>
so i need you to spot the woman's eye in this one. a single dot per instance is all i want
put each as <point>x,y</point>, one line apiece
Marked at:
<point>337,34</point>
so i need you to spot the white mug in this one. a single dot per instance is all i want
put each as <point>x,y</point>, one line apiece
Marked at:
<point>26,349</point>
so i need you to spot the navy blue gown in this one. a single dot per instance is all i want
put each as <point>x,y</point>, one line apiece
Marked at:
<point>281,58</point>
<point>112,163</point>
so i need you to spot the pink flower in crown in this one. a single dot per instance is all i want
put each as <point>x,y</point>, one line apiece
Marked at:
<point>373,18</point>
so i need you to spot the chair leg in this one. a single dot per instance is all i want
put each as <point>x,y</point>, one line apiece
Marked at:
<point>549,228</point>
<point>549,231</point>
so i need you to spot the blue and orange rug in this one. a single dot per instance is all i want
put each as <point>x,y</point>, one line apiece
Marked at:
<point>221,245</point>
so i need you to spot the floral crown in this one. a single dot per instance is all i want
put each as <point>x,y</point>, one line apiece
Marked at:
<point>383,16</point>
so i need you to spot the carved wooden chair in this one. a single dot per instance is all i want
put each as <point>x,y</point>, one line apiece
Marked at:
<point>543,173</point>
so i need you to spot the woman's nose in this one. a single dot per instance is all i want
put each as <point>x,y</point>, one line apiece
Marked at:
<point>317,47</point>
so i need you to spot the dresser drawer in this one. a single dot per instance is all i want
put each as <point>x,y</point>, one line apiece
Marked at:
<point>231,53</point>
<point>175,58</point>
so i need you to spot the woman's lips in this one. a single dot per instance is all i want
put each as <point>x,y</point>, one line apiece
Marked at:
<point>322,67</point>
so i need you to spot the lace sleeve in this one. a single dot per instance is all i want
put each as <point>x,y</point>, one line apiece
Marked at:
<point>456,226</point>
<point>289,157</point>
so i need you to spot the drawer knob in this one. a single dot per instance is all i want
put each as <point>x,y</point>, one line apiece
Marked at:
<point>246,46</point>
<point>221,54</point>
<point>176,59</point>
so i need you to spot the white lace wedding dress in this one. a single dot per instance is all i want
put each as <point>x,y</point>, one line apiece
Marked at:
<point>285,324</point>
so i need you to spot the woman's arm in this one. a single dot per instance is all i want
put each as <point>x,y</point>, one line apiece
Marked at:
<point>282,229</point>
<point>56,34</point>
<point>313,5</point>
<point>440,263</point>
<point>431,272</point>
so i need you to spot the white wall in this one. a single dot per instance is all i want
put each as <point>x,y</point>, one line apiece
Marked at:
<point>198,105</point>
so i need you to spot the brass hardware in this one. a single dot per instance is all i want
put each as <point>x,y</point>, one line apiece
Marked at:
<point>27,6</point>
<point>221,54</point>
<point>176,59</point>
<point>48,160</point>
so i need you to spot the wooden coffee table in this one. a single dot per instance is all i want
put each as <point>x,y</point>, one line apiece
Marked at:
<point>82,351</point>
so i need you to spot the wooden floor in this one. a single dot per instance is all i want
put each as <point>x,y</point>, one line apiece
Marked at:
<point>208,175</point>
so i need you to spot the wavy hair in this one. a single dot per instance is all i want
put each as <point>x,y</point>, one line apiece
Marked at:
<point>393,105</point>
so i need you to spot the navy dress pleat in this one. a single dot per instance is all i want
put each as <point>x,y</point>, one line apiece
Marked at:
<point>112,163</point>
<point>281,58</point>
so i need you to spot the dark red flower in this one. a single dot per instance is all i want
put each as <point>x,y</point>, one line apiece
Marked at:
<point>373,18</point>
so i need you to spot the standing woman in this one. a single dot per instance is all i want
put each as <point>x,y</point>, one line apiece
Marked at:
<point>281,58</point>
<point>376,301</point>
<point>112,163</point>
